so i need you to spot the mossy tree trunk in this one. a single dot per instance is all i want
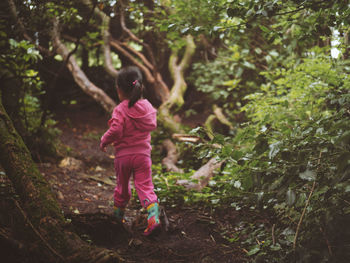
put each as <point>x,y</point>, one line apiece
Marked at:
<point>37,203</point>
<point>179,88</point>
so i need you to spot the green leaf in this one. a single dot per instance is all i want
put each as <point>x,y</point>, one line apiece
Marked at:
<point>343,162</point>
<point>261,145</point>
<point>227,150</point>
<point>273,53</point>
<point>58,57</point>
<point>275,247</point>
<point>254,250</point>
<point>264,28</point>
<point>290,197</point>
<point>13,42</point>
<point>247,64</point>
<point>274,149</point>
<point>236,155</point>
<point>308,175</point>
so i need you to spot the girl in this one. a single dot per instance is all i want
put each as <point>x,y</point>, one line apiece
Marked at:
<point>129,132</point>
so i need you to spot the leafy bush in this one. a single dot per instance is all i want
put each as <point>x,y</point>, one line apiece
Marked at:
<point>294,156</point>
<point>22,89</point>
<point>291,161</point>
<point>222,78</point>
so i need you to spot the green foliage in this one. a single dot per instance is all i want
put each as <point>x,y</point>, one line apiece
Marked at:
<point>19,64</point>
<point>297,136</point>
<point>190,17</point>
<point>222,78</point>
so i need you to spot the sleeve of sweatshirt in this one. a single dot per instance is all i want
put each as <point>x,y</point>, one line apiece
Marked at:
<point>115,131</point>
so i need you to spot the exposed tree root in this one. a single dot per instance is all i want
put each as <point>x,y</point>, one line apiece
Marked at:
<point>203,175</point>
<point>172,156</point>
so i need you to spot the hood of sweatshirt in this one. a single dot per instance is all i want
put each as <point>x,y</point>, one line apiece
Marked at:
<point>143,115</point>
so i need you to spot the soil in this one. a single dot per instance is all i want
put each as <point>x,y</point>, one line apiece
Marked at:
<point>84,188</point>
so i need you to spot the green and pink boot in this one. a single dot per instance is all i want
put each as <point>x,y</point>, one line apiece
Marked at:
<point>118,213</point>
<point>153,219</point>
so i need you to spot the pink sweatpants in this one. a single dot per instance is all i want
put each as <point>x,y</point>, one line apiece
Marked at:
<point>138,165</point>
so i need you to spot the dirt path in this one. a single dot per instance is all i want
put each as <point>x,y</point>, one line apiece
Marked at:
<point>84,187</point>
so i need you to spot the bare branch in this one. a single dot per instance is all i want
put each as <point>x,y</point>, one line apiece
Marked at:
<point>221,117</point>
<point>108,64</point>
<point>106,47</point>
<point>134,37</point>
<point>137,58</point>
<point>118,46</point>
<point>74,39</point>
<point>179,88</point>
<point>177,72</point>
<point>190,49</point>
<point>79,76</point>
<point>140,55</point>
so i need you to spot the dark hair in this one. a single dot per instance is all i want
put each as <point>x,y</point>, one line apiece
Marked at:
<point>129,80</point>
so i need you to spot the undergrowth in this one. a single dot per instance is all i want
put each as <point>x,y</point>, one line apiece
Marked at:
<point>290,161</point>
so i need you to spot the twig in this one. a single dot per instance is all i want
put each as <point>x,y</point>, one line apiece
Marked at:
<point>37,232</point>
<point>273,234</point>
<point>344,200</point>
<point>306,205</point>
<point>166,220</point>
<point>327,242</point>
<point>7,236</point>
<point>302,215</point>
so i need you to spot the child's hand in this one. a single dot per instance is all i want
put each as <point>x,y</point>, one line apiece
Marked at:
<point>103,148</point>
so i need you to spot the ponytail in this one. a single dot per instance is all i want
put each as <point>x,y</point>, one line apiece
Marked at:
<point>136,93</point>
<point>129,80</point>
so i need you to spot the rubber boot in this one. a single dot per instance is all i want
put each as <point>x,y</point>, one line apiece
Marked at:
<point>153,219</point>
<point>118,213</point>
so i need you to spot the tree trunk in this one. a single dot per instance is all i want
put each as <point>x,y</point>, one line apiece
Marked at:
<point>37,204</point>
<point>179,88</point>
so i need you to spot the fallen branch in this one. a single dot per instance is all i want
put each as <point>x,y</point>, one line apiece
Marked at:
<point>203,175</point>
<point>172,156</point>
<point>186,138</point>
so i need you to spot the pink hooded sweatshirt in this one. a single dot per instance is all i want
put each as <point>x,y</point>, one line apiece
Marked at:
<point>129,128</point>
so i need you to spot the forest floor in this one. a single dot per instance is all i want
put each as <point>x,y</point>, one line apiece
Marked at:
<point>84,185</point>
